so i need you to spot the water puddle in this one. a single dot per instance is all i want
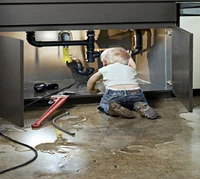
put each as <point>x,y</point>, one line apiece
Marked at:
<point>6,128</point>
<point>68,122</point>
<point>135,149</point>
<point>73,120</point>
<point>11,128</point>
<point>61,147</point>
<point>158,146</point>
<point>138,149</point>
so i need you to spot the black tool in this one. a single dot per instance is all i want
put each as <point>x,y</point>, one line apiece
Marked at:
<point>42,87</point>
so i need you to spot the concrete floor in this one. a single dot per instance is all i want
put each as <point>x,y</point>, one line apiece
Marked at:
<point>105,147</point>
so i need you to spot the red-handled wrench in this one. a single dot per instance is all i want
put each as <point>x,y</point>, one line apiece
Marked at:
<point>58,100</point>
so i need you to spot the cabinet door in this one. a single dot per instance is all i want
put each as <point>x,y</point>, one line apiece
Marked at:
<point>182,67</point>
<point>11,80</point>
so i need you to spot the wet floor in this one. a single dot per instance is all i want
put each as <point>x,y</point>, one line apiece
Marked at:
<point>106,147</point>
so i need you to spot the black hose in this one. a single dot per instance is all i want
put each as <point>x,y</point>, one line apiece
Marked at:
<point>58,127</point>
<point>66,87</point>
<point>23,164</point>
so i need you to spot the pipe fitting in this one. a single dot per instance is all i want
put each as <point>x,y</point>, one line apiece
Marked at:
<point>138,40</point>
<point>91,54</point>
<point>30,36</point>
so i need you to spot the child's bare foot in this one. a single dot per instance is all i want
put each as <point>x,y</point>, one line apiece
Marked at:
<point>116,109</point>
<point>145,110</point>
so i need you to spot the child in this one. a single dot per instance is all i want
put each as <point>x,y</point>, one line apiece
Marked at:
<point>123,95</point>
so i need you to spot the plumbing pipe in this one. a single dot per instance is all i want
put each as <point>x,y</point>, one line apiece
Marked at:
<point>91,54</point>
<point>30,36</point>
<point>89,43</point>
<point>78,67</point>
<point>138,40</point>
<point>65,36</point>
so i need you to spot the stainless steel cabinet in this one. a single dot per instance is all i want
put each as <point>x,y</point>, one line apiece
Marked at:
<point>11,80</point>
<point>182,67</point>
<point>43,15</point>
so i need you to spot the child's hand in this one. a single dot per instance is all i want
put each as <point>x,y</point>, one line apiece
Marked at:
<point>95,90</point>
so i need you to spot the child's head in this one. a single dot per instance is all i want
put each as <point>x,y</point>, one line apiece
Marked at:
<point>115,54</point>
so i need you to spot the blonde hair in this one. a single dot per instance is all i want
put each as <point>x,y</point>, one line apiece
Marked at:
<point>115,54</point>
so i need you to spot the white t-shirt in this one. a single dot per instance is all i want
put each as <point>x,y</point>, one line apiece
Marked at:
<point>118,74</point>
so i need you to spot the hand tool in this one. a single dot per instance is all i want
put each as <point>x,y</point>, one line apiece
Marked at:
<point>57,100</point>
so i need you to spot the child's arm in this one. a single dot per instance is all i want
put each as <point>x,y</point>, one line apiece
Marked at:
<point>92,82</point>
<point>132,64</point>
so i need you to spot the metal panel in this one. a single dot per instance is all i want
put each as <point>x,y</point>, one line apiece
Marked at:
<point>86,14</point>
<point>11,80</point>
<point>85,1</point>
<point>192,24</point>
<point>156,56</point>
<point>182,66</point>
<point>110,26</point>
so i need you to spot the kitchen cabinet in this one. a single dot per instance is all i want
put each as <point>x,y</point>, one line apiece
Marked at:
<point>51,15</point>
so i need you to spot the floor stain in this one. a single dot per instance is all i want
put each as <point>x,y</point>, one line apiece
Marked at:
<point>108,147</point>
